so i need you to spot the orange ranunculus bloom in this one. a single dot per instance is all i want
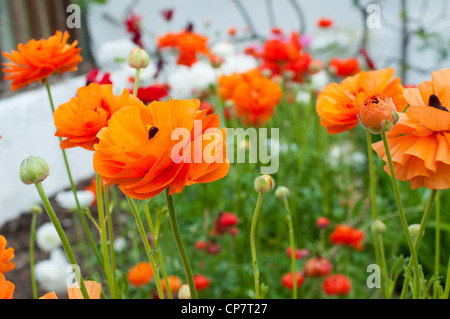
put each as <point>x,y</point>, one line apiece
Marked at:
<point>79,120</point>
<point>93,288</point>
<point>189,44</point>
<point>378,114</point>
<point>171,144</point>
<point>348,236</point>
<point>6,254</point>
<point>140,274</point>
<point>338,104</point>
<point>344,67</point>
<point>6,288</point>
<point>38,59</point>
<point>255,97</point>
<point>175,283</point>
<point>420,142</point>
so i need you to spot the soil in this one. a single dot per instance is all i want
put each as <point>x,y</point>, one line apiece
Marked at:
<point>17,234</point>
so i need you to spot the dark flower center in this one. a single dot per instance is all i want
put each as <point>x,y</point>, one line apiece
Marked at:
<point>434,101</point>
<point>152,132</point>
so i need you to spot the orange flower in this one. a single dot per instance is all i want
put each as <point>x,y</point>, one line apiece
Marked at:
<point>344,67</point>
<point>338,104</point>
<point>337,284</point>
<point>93,288</point>
<point>140,274</point>
<point>288,280</point>
<point>378,114</point>
<point>325,22</point>
<point>420,142</point>
<point>255,97</point>
<point>37,60</point>
<point>346,235</point>
<point>167,144</point>
<point>6,254</point>
<point>189,44</point>
<point>6,288</point>
<point>174,283</point>
<point>80,119</point>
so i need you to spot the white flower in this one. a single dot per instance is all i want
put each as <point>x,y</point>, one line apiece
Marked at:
<point>237,63</point>
<point>47,238</point>
<point>223,49</point>
<point>345,154</point>
<point>67,200</point>
<point>303,97</point>
<point>53,274</point>
<point>120,244</point>
<point>320,80</point>
<point>186,82</point>
<point>112,53</point>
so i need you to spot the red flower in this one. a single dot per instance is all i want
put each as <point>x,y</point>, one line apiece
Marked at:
<point>228,219</point>
<point>213,248</point>
<point>201,282</point>
<point>151,93</point>
<point>92,77</point>
<point>288,280</point>
<point>322,222</point>
<point>370,63</point>
<point>204,105</point>
<point>201,244</point>
<point>346,235</point>
<point>232,31</point>
<point>289,253</point>
<point>317,267</point>
<point>167,14</point>
<point>342,67</point>
<point>337,284</point>
<point>325,22</point>
<point>133,24</point>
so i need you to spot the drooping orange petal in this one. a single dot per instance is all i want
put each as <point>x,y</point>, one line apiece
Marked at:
<point>93,288</point>
<point>49,295</point>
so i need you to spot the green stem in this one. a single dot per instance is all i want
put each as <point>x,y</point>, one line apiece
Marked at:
<point>136,82</point>
<point>423,223</point>
<point>147,247</point>
<point>292,241</point>
<point>111,240</point>
<point>376,238</point>
<point>32,239</point>
<point>104,237</point>
<point>253,245</point>
<point>437,239</point>
<point>180,245</point>
<point>447,283</point>
<point>403,219</point>
<point>155,234</point>
<point>61,234</point>
<point>384,267</point>
<point>72,186</point>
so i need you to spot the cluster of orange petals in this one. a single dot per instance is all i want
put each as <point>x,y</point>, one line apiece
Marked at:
<point>6,288</point>
<point>338,104</point>
<point>79,120</point>
<point>255,96</point>
<point>188,43</point>
<point>285,54</point>
<point>93,288</point>
<point>6,255</point>
<point>169,144</point>
<point>175,283</point>
<point>140,274</point>
<point>38,59</point>
<point>344,67</point>
<point>347,236</point>
<point>420,142</point>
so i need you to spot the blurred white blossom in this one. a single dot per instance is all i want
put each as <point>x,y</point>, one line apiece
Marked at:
<point>52,274</point>
<point>237,63</point>
<point>223,49</point>
<point>47,237</point>
<point>67,200</point>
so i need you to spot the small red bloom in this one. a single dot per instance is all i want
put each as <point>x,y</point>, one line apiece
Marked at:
<point>151,93</point>
<point>342,67</point>
<point>289,253</point>
<point>232,31</point>
<point>167,14</point>
<point>204,105</point>
<point>201,244</point>
<point>346,235</point>
<point>317,267</point>
<point>133,25</point>
<point>337,284</point>
<point>322,222</point>
<point>92,77</point>
<point>201,282</point>
<point>228,219</point>
<point>288,280</point>
<point>213,248</point>
<point>325,22</point>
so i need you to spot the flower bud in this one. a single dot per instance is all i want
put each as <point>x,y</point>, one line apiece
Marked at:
<point>184,292</point>
<point>33,169</point>
<point>378,114</point>
<point>322,222</point>
<point>414,229</point>
<point>36,209</point>
<point>378,227</point>
<point>264,183</point>
<point>138,59</point>
<point>282,192</point>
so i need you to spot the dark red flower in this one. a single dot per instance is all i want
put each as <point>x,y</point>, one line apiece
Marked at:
<point>133,24</point>
<point>92,77</point>
<point>151,93</point>
<point>167,14</point>
<point>369,61</point>
<point>204,105</point>
<point>213,248</point>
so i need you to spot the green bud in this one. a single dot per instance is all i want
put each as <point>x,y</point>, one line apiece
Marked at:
<point>184,292</point>
<point>264,183</point>
<point>33,169</point>
<point>378,227</point>
<point>282,192</point>
<point>414,229</point>
<point>138,59</point>
<point>36,209</point>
